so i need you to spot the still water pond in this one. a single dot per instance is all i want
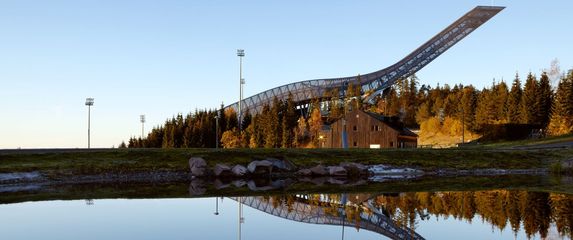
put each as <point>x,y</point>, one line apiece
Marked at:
<point>493,214</point>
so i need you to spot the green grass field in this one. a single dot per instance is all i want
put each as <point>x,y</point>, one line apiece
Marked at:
<point>80,162</point>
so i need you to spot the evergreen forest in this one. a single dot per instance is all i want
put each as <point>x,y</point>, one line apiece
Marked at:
<point>441,113</point>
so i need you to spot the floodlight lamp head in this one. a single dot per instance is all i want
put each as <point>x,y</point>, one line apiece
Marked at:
<point>142,118</point>
<point>89,101</point>
<point>240,52</point>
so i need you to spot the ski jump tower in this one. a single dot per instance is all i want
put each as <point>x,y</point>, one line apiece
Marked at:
<point>374,83</point>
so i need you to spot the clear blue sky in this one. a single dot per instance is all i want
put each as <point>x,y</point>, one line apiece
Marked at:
<point>160,58</point>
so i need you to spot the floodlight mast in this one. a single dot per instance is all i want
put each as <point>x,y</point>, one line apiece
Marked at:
<point>142,119</point>
<point>89,103</point>
<point>240,54</point>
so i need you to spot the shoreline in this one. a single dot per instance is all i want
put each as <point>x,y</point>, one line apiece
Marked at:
<point>39,182</point>
<point>20,169</point>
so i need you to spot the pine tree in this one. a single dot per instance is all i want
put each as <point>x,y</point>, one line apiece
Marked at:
<point>529,102</point>
<point>335,106</point>
<point>544,99</point>
<point>468,104</point>
<point>256,140</point>
<point>514,101</point>
<point>393,103</point>
<point>501,95</point>
<point>315,124</point>
<point>358,93</point>
<point>484,113</point>
<point>289,123</point>
<point>562,109</point>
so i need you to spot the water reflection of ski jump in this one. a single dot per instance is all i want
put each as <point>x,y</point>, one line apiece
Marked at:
<point>328,210</point>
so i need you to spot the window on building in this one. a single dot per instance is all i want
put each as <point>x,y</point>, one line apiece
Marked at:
<point>376,128</point>
<point>355,144</point>
<point>354,128</point>
<point>391,144</point>
<point>372,128</point>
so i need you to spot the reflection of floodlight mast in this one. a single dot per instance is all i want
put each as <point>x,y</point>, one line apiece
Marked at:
<point>216,206</point>
<point>142,119</point>
<point>241,54</point>
<point>89,103</point>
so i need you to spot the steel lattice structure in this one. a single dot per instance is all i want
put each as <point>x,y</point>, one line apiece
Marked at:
<point>303,211</point>
<point>373,83</point>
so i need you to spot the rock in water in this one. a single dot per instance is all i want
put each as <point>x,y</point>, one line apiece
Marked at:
<point>260,167</point>
<point>354,169</point>
<point>282,165</point>
<point>336,171</point>
<point>239,170</point>
<point>319,170</point>
<point>222,170</point>
<point>197,187</point>
<point>304,172</point>
<point>198,166</point>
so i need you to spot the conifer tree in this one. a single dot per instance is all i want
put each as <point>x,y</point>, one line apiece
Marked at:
<point>335,106</point>
<point>529,101</point>
<point>544,99</point>
<point>392,103</point>
<point>468,104</point>
<point>315,124</point>
<point>562,109</point>
<point>288,123</point>
<point>256,130</point>
<point>501,95</point>
<point>484,111</point>
<point>358,93</point>
<point>514,101</point>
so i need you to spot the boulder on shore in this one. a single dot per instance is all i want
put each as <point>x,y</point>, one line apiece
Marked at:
<point>260,167</point>
<point>198,166</point>
<point>222,170</point>
<point>336,171</point>
<point>282,165</point>
<point>319,170</point>
<point>354,169</point>
<point>239,170</point>
<point>304,172</point>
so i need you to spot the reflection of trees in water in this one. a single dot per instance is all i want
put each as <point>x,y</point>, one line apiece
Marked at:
<point>532,211</point>
<point>535,210</point>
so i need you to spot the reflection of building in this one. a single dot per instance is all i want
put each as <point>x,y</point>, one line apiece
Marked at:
<point>301,209</point>
<point>368,130</point>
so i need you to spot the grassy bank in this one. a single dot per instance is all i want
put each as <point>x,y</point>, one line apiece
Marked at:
<point>77,162</point>
<point>138,190</point>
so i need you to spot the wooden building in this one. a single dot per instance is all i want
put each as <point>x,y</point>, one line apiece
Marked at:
<point>367,130</point>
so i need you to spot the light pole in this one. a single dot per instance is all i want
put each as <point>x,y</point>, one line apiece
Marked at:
<point>217,130</point>
<point>241,54</point>
<point>89,103</point>
<point>217,117</point>
<point>463,126</point>
<point>142,119</point>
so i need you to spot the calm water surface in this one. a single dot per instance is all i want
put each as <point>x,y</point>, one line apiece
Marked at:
<point>495,214</point>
